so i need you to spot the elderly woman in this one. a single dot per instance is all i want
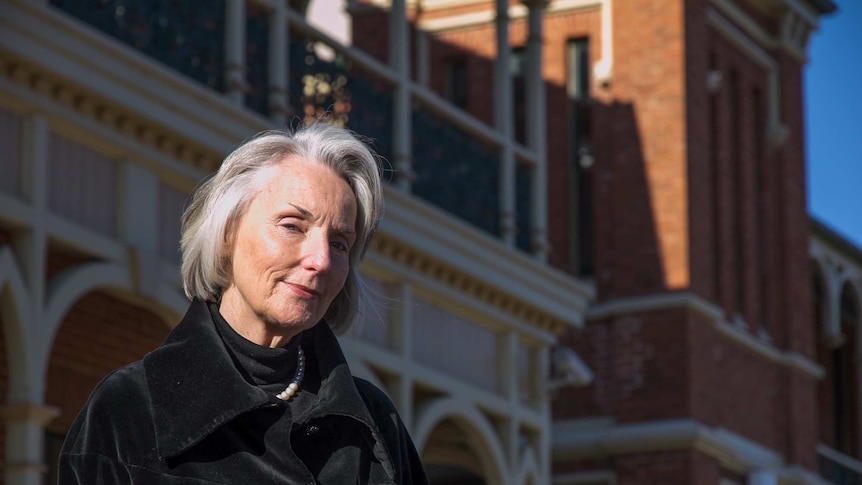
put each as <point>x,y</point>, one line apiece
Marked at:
<point>252,387</point>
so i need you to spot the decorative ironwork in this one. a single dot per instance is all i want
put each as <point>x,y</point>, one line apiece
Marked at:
<point>186,36</point>
<point>455,171</point>
<point>523,206</point>
<point>326,84</point>
<point>257,58</point>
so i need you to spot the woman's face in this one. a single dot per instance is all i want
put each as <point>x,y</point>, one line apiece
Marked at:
<point>290,252</point>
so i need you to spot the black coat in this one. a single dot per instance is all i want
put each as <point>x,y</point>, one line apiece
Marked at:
<point>186,415</point>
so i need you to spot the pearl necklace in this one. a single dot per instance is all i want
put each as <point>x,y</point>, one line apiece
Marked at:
<point>293,387</point>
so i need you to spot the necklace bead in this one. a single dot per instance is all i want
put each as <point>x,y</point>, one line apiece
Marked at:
<point>293,387</point>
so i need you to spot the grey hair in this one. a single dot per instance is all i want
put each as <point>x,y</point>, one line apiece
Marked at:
<point>218,204</point>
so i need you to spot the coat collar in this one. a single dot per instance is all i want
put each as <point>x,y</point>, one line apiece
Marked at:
<point>195,388</point>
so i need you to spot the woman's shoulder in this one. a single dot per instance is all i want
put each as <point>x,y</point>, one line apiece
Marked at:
<point>119,402</point>
<point>370,392</point>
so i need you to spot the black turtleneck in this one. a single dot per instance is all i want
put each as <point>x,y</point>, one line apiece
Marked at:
<point>271,369</point>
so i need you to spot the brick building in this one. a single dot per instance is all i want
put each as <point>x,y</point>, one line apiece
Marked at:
<point>596,264</point>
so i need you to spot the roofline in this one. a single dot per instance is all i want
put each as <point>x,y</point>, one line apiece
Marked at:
<point>836,240</point>
<point>824,6</point>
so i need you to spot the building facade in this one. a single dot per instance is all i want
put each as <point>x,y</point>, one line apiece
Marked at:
<point>595,266</point>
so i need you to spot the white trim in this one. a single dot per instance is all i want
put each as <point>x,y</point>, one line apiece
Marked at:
<point>695,303</point>
<point>572,441</point>
<point>603,69</point>
<point>487,447</point>
<point>429,230</point>
<point>840,458</point>
<point>516,12</point>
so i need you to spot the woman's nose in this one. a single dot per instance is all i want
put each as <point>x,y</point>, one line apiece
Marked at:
<point>317,254</point>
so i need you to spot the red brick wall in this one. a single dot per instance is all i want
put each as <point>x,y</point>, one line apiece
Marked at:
<point>641,158</point>
<point>641,369</point>
<point>100,333</point>
<point>667,468</point>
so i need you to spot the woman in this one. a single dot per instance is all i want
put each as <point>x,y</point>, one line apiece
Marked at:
<point>252,387</point>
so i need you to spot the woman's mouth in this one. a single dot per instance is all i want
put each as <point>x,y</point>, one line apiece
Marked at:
<point>303,291</point>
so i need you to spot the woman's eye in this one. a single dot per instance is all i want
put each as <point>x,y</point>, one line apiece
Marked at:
<point>291,227</point>
<point>339,245</point>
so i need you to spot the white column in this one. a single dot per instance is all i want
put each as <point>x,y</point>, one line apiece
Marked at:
<point>536,132</point>
<point>34,186</point>
<point>26,376</point>
<point>234,50</point>
<point>278,65</point>
<point>544,453</point>
<point>25,434</point>
<point>139,220</point>
<point>507,367</point>
<point>423,58</point>
<point>403,338</point>
<point>399,59</point>
<point>504,120</point>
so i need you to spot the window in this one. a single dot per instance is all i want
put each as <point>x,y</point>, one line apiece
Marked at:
<point>581,156</point>
<point>519,93</point>
<point>715,174</point>
<point>456,81</point>
<point>737,211</point>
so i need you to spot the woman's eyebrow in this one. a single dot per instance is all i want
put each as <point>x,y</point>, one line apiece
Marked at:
<point>302,210</point>
<point>308,215</point>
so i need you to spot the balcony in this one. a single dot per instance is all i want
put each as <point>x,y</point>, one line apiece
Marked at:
<point>266,60</point>
<point>838,468</point>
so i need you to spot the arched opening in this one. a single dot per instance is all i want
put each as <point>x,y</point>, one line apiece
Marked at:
<point>843,379</point>
<point>454,456</point>
<point>99,334</point>
<point>822,351</point>
<point>838,393</point>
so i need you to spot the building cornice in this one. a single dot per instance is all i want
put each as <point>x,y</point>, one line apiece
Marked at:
<point>732,331</point>
<point>584,439</point>
<point>422,237</point>
<point>486,17</point>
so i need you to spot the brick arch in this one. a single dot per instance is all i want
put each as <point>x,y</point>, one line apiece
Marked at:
<point>99,333</point>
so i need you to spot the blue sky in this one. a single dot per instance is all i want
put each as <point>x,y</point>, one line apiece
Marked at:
<point>833,107</point>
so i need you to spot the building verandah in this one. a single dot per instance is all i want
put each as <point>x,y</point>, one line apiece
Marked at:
<point>103,140</point>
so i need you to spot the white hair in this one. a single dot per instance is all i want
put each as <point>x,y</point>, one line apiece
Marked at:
<point>217,205</point>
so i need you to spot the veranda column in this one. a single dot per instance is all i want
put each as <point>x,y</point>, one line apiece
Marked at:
<point>278,65</point>
<point>536,132</point>
<point>504,122</point>
<point>234,51</point>
<point>25,435</point>
<point>399,59</point>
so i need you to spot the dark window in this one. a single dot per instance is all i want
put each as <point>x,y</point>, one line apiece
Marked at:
<point>581,155</point>
<point>843,378</point>
<point>738,233</point>
<point>456,82</point>
<point>257,57</point>
<point>518,67</point>
<point>760,195</point>
<point>715,173</point>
